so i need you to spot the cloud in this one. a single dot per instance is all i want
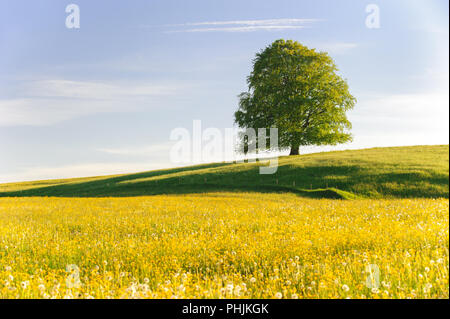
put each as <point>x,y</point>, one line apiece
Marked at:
<point>426,105</point>
<point>252,22</point>
<point>244,25</point>
<point>81,170</point>
<point>139,151</point>
<point>48,102</point>
<point>91,90</point>
<point>401,119</point>
<point>381,120</point>
<point>245,29</point>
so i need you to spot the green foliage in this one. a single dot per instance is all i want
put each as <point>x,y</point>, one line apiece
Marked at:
<point>298,91</point>
<point>394,172</point>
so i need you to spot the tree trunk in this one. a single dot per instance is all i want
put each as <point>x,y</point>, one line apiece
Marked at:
<point>295,150</point>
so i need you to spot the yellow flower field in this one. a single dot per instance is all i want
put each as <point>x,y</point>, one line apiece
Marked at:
<point>223,245</point>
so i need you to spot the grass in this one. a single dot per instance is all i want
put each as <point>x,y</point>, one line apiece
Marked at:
<point>224,231</point>
<point>223,245</point>
<point>395,172</point>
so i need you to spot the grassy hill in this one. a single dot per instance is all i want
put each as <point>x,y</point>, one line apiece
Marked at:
<point>394,172</point>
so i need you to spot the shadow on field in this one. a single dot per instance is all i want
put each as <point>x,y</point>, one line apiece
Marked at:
<point>319,181</point>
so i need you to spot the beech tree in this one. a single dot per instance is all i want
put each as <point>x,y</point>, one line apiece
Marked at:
<point>298,91</point>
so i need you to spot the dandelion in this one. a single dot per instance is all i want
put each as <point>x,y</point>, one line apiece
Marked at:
<point>230,288</point>
<point>386,284</point>
<point>201,231</point>
<point>427,288</point>
<point>278,295</point>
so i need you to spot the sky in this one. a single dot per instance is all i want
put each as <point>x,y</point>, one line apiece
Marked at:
<point>104,98</point>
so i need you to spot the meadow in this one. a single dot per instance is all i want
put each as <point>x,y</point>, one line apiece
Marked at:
<point>392,172</point>
<point>379,230</point>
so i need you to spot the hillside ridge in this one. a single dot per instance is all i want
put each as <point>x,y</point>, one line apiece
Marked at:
<point>388,172</point>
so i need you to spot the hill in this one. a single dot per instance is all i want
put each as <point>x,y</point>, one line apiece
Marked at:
<point>393,172</point>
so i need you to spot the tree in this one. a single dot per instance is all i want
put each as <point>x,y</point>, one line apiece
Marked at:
<point>298,91</point>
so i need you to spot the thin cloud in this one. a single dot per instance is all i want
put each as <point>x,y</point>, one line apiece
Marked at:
<point>91,90</point>
<point>432,106</point>
<point>138,151</point>
<point>48,102</point>
<point>252,22</point>
<point>81,170</point>
<point>244,25</point>
<point>49,111</point>
<point>244,29</point>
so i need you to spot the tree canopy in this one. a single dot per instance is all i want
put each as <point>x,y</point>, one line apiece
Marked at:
<point>297,90</point>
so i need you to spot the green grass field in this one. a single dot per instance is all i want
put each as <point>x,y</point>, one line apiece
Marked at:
<point>395,172</point>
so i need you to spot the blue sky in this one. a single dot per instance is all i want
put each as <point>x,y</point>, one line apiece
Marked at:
<point>104,98</point>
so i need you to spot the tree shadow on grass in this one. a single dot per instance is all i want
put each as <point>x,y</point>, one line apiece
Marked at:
<point>320,181</point>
